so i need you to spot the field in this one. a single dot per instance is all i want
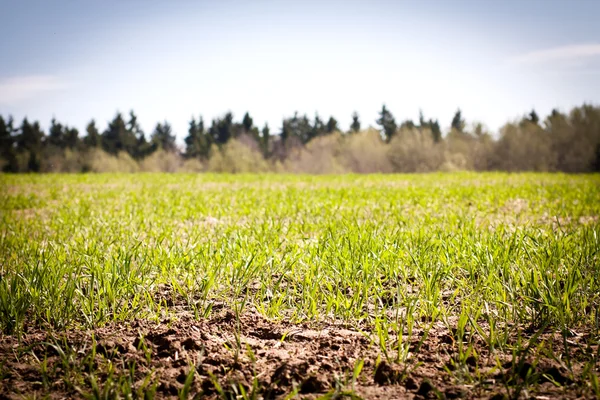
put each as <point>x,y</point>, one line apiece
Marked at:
<point>277,286</point>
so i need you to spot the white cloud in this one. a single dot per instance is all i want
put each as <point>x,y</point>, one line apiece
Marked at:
<point>20,88</point>
<point>572,54</point>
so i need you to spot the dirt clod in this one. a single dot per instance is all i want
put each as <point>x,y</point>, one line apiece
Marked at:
<point>313,359</point>
<point>554,374</point>
<point>386,374</point>
<point>455,393</point>
<point>425,388</point>
<point>410,383</point>
<point>314,384</point>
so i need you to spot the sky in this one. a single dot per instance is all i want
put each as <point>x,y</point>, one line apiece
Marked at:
<point>171,60</point>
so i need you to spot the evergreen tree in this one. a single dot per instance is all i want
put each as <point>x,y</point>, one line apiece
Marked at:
<point>163,137</point>
<point>302,128</point>
<point>387,122</point>
<point>62,137</point>
<point>285,130</point>
<point>249,128</point>
<point>533,117</point>
<point>458,123</point>
<point>205,139</point>
<point>247,123</point>
<point>298,127</point>
<point>436,131</point>
<point>192,140</point>
<point>92,139</point>
<point>479,130</point>
<point>6,131</point>
<point>118,138</point>
<point>264,140</point>
<point>407,124</point>
<point>30,139</point>
<point>5,135</point>
<point>72,140</point>
<point>318,128</point>
<point>433,126</point>
<point>7,141</point>
<point>140,147</point>
<point>355,126</point>
<point>596,163</point>
<point>197,143</point>
<point>143,147</point>
<point>56,134</point>
<point>133,126</point>
<point>332,125</point>
<point>222,129</point>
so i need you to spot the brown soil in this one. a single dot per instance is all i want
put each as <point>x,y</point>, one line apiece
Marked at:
<point>278,358</point>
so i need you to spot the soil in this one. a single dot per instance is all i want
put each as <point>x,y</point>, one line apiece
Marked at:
<point>277,358</point>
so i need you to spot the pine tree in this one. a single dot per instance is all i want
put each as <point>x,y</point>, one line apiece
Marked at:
<point>407,124</point>
<point>436,131</point>
<point>433,126</point>
<point>205,139</point>
<point>163,137</point>
<point>302,128</point>
<point>192,142</point>
<point>285,130</point>
<point>114,136</point>
<point>72,140</point>
<point>596,162</point>
<point>63,137</point>
<point>197,143</point>
<point>318,128</point>
<point>533,117</point>
<point>479,130</point>
<point>422,122</point>
<point>264,140</point>
<point>458,123</point>
<point>92,139</point>
<point>143,147</point>
<point>56,134</point>
<point>298,127</point>
<point>30,139</point>
<point>222,129</point>
<point>355,126</point>
<point>332,125</point>
<point>249,128</point>
<point>387,122</point>
<point>7,141</point>
<point>247,123</point>
<point>138,146</point>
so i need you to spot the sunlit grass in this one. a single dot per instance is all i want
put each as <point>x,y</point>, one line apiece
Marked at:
<point>488,255</point>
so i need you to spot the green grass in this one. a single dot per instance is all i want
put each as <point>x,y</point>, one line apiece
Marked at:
<point>488,255</point>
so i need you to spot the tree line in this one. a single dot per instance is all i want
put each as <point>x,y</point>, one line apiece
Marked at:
<point>567,142</point>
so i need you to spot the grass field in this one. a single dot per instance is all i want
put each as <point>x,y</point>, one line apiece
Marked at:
<point>269,286</point>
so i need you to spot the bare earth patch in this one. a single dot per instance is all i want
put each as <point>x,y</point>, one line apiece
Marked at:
<point>225,356</point>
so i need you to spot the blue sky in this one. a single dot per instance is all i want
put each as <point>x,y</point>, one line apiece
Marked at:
<point>78,60</point>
